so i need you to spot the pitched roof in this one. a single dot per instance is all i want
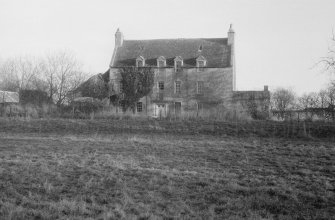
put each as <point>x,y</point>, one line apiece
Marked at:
<point>95,79</point>
<point>214,50</point>
<point>9,97</point>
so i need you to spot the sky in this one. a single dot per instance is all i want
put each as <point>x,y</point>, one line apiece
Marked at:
<point>277,42</point>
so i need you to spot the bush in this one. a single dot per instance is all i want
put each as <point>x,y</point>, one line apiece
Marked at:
<point>13,110</point>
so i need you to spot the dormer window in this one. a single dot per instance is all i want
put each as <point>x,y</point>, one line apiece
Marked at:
<point>178,64</point>
<point>201,63</point>
<point>140,61</point>
<point>161,62</point>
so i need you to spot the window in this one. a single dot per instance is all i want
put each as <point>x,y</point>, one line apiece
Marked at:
<point>200,87</point>
<point>161,62</point>
<point>201,63</point>
<point>161,86</point>
<point>178,64</point>
<point>177,87</point>
<point>140,61</point>
<point>139,107</point>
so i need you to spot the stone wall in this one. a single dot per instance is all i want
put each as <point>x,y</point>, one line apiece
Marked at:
<point>217,90</point>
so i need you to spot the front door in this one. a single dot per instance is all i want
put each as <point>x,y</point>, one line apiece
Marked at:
<point>160,110</point>
<point>177,108</point>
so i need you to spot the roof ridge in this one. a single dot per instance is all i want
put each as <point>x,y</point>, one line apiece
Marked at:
<point>199,38</point>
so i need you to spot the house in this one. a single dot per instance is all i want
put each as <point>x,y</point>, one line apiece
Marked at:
<point>7,97</point>
<point>192,76</point>
<point>8,102</point>
<point>255,103</point>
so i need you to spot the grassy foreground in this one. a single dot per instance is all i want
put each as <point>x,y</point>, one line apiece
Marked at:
<point>157,176</point>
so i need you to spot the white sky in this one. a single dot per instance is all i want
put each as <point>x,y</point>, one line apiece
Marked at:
<point>277,41</point>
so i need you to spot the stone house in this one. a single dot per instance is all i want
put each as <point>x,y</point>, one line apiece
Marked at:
<point>255,103</point>
<point>192,76</point>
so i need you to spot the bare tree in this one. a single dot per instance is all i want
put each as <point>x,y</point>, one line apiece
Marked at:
<point>309,100</point>
<point>323,98</point>
<point>62,74</point>
<point>330,99</point>
<point>329,60</point>
<point>282,100</point>
<point>8,81</point>
<point>330,95</point>
<point>57,74</point>
<point>19,73</point>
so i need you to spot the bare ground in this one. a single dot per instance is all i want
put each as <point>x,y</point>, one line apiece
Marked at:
<point>157,176</point>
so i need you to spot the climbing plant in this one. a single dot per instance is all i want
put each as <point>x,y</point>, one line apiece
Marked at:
<point>136,83</point>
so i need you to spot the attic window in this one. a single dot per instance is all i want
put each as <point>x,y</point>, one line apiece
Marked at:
<point>140,61</point>
<point>201,63</point>
<point>161,62</point>
<point>178,64</point>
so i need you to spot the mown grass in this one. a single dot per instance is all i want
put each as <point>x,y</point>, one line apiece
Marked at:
<point>164,176</point>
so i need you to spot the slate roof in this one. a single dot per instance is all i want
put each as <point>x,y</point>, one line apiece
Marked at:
<point>215,50</point>
<point>9,97</point>
<point>93,80</point>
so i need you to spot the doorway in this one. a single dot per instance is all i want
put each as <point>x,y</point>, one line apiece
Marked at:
<point>160,110</point>
<point>177,108</point>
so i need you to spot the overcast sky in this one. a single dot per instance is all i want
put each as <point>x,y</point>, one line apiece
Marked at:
<point>277,41</point>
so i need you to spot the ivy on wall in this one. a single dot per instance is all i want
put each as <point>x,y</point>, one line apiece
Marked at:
<point>136,83</point>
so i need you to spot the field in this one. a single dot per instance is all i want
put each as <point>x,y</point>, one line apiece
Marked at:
<point>155,175</point>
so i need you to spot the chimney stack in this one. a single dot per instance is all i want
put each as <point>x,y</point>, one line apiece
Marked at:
<point>118,38</point>
<point>230,42</point>
<point>231,34</point>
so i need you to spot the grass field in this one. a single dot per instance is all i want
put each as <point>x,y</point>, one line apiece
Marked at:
<point>164,176</point>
